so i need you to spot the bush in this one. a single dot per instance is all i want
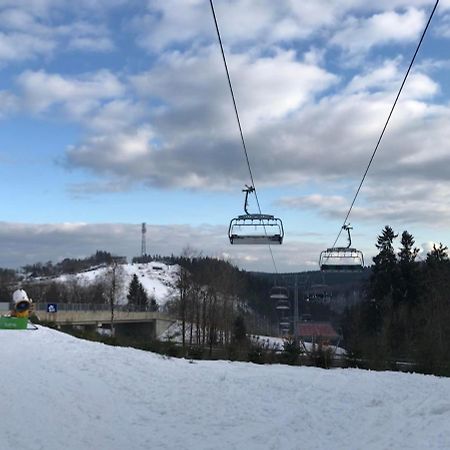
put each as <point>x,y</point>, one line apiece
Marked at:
<point>291,351</point>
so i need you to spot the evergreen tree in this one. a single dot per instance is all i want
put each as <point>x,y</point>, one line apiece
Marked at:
<point>239,330</point>
<point>137,296</point>
<point>437,256</point>
<point>384,271</point>
<point>408,287</point>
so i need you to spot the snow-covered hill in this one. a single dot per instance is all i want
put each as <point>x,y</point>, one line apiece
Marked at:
<point>58,392</point>
<point>157,278</point>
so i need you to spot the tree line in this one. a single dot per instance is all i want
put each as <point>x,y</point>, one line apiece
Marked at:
<point>405,316</point>
<point>214,302</point>
<point>68,265</point>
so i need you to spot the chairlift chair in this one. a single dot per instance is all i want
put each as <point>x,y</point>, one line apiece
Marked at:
<point>283,304</point>
<point>281,295</point>
<point>279,292</point>
<point>342,259</point>
<point>319,293</point>
<point>255,228</point>
<point>285,326</point>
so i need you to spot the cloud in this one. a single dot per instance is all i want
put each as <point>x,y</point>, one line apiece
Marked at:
<point>30,243</point>
<point>360,34</point>
<point>40,29</point>
<point>194,132</point>
<point>297,130</point>
<point>315,201</point>
<point>122,154</point>
<point>77,96</point>
<point>8,104</point>
<point>20,46</point>
<point>263,23</point>
<point>419,202</point>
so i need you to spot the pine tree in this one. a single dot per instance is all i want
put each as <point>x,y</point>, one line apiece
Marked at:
<point>137,296</point>
<point>437,256</point>
<point>408,286</point>
<point>239,330</point>
<point>407,253</point>
<point>384,269</point>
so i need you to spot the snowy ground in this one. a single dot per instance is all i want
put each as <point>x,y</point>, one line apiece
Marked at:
<point>58,392</point>
<point>174,333</point>
<point>158,279</point>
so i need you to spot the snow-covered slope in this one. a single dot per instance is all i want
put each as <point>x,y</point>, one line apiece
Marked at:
<point>157,278</point>
<point>58,392</point>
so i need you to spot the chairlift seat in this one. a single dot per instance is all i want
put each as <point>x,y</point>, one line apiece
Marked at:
<point>279,293</point>
<point>283,305</point>
<point>341,259</point>
<point>255,229</point>
<point>341,267</point>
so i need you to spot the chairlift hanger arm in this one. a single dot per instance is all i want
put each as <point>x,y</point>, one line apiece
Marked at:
<point>347,227</point>
<point>247,190</point>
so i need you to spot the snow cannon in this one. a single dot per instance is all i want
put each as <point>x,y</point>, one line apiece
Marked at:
<point>21,308</point>
<point>21,304</point>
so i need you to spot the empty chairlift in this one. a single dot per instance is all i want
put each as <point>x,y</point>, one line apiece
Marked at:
<point>280,295</point>
<point>285,326</point>
<point>255,228</point>
<point>319,293</point>
<point>342,259</point>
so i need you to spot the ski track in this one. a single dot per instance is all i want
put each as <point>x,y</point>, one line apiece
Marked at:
<point>59,392</point>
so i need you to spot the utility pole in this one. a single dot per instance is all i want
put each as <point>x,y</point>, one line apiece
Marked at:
<point>143,241</point>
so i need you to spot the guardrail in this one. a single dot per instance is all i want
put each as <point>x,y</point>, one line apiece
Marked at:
<point>91,307</point>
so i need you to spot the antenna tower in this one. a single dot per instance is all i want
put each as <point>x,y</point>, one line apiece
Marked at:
<point>143,243</point>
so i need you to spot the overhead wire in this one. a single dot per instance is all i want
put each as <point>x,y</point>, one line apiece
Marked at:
<point>244,146</point>
<point>387,121</point>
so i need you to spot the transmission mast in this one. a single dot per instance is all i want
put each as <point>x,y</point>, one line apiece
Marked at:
<point>143,242</point>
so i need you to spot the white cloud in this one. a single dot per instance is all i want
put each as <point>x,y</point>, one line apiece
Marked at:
<point>20,46</point>
<point>266,87</point>
<point>360,34</point>
<point>8,104</point>
<point>101,44</point>
<point>77,96</point>
<point>399,203</point>
<point>37,29</point>
<point>292,137</point>
<point>336,203</point>
<point>265,22</point>
<point>126,154</point>
<point>193,119</point>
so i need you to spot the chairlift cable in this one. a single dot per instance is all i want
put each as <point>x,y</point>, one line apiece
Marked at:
<point>230,85</point>
<point>234,102</point>
<point>387,121</point>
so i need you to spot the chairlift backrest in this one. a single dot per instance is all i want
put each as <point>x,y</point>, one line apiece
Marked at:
<point>255,228</point>
<point>279,292</point>
<point>342,259</point>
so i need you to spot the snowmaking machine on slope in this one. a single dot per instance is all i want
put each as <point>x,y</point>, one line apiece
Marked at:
<point>21,308</point>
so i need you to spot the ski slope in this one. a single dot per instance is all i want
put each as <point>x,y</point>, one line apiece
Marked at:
<point>59,392</point>
<point>158,279</point>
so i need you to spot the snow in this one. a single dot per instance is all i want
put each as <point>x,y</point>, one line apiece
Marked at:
<point>59,392</point>
<point>174,333</point>
<point>158,279</point>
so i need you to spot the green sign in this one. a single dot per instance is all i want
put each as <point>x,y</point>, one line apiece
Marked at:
<point>13,323</point>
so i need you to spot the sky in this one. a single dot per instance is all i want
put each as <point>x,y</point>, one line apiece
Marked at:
<point>117,112</point>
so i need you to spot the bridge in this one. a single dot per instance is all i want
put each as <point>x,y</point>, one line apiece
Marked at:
<point>127,321</point>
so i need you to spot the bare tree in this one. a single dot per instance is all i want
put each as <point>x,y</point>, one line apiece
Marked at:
<point>113,284</point>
